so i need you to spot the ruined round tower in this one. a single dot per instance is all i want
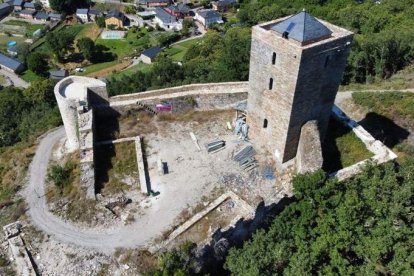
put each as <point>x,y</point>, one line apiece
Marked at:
<point>71,95</point>
<point>296,66</point>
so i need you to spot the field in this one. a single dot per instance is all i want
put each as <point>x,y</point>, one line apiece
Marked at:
<point>389,118</point>
<point>177,51</point>
<point>4,39</point>
<point>29,28</point>
<point>132,70</point>
<point>342,148</point>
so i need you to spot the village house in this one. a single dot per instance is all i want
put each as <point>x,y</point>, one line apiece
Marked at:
<point>58,74</point>
<point>29,6</point>
<point>223,5</point>
<point>5,9</point>
<point>41,16</point>
<point>149,55</point>
<point>179,10</point>
<point>10,64</point>
<point>27,14</point>
<point>93,14</point>
<point>17,5</point>
<point>166,20</point>
<point>116,19</point>
<point>82,14</point>
<point>155,3</point>
<point>55,16</point>
<point>12,50</point>
<point>208,17</point>
<point>45,3</point>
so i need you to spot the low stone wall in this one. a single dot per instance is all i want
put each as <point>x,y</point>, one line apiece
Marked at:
<point>309,156</point>
<point>143,181</point>
<point>187,97</point>
<point>381,152</point>
<point>87,158</point>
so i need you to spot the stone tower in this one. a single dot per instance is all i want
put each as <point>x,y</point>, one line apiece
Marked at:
<point>296,66</point>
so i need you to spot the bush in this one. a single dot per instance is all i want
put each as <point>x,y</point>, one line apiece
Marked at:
<point>60,176</point>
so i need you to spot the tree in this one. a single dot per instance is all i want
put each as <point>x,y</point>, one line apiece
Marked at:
<point>36,63</point>
<point>87,48</point>
<point>41,91</point>
<point>12,106</point>
<point>60,176</point>
<point>100,21</point>
<point>23,50</point>
<point>68,6</point>
<point>59,43</point>
<point>130,9</point>
<point>363,225</point>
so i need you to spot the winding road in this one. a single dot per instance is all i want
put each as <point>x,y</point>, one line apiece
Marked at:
<point>138,234</point>
<point>135,235</point>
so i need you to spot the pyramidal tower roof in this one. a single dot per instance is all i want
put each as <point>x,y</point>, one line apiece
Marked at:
<point>303,28</point>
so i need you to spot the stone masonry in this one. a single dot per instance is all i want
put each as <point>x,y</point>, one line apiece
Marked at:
<point>309,157</point>
<point>291,83</point>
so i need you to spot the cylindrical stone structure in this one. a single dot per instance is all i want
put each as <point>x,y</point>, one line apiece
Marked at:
<point>70,93</point>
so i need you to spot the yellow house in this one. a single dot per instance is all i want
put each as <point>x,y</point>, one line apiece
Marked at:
<point>115,18</point>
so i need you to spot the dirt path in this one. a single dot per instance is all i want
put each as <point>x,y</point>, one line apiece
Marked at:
<point>130,236</point>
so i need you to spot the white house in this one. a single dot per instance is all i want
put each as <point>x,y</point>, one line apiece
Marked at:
<point>45,3</point>
<point>208,17</point>
<point>82,14</point>
<point>167,21</point>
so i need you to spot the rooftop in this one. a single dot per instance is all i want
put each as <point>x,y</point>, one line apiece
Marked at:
<point>208,14</point>
<point>4,6</point>
<point>29,5</point>
<point>42,15</point>
<point>164,16</point>
<point>303,28</point>
<point>114,13</point>
<point>82,11</point>
<point>30,12</point>
<point>183,8</point>
<point>9,62</point>
<point>152,52</point>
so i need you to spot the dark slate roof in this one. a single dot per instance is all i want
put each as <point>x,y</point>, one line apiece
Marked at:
<point>29,5</point>
<point>4,6</point>
<point>153,1</point>
<point>42,15</point>
<point>9,62</point>
<point>59,73</point>
<point>116,14</point>
<point>152,52</point>
<point>224,3</point>
<point>17,2</point>
<point>182,8</point>
<point>95,12</point>
<point>164,16</point>
<point>30,12</point>
<point>12,49</point>
<point>303,27</point>
<point>82,11</point>
<point>209,14</point>
<point>55,15</point>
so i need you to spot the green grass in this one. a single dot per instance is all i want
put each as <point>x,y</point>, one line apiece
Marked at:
<point>177,51</point>
<point>132,70</point>
<point>342,148</point>
<point>29,76</point>
<point>117,162</point>
<point>97,67</point>
<point>30,28</point>
<point>4,39</point>
<point>390,104</point>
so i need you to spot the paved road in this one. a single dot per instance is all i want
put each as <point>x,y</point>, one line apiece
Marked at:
<point>15,79</point>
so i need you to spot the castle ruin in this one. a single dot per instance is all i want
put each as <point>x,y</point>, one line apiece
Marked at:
<point>296,66</point>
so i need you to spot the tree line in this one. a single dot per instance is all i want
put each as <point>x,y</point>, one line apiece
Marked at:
<point>216,58</point>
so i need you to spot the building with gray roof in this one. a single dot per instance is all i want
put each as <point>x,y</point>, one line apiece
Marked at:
<point>148,55</point>
<point>5,9</point>
<point>208,17</point>
<point>10,64</point>
<point>303,28</point>
<point>167,21</point>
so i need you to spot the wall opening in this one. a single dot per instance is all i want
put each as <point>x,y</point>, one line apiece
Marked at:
<point>270,83</point>
<point>327,59</point>
<point>274,58</point>
<point>265,123</point>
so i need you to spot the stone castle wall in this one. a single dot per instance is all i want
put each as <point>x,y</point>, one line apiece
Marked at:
<point>297,88</point>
